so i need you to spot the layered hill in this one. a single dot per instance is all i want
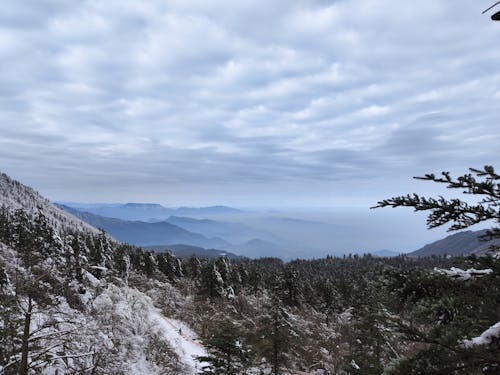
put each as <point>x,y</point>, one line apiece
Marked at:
<point>142,233</point>
<point>232,232</point>
<point>175,234</point>
<point>462,243</point>
<point>147,211</point>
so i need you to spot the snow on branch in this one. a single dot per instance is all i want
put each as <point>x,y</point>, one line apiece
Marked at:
<point>463,275</point>
<point>486,338</point>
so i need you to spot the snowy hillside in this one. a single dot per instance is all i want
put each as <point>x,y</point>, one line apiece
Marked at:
<point>109,326</point>
<point>74,301</point>
<point>72,285</point>
<point>15,195</point>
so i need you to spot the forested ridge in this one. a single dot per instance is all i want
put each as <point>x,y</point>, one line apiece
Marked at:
<point>77,301</point>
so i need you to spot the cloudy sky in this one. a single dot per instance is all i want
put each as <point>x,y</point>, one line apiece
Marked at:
<point>321,103</point>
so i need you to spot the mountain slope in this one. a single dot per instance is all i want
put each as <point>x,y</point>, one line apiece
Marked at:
<point>68,290</point>
<point>461,243</point>
<point>14,196</point>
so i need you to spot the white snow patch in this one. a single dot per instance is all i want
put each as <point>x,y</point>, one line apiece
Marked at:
<point>182,339</point>
<point>485,338</point>
<point>91,278</point>
<point>355,365</point>
<point>99,268</point>
<point>463,275</point>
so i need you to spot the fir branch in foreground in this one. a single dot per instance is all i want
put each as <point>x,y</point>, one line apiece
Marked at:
<point>483,182</point>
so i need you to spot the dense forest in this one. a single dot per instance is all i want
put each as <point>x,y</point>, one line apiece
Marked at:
<point>75,301</point>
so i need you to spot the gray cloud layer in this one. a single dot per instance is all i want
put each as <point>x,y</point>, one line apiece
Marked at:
<point>246,102</point>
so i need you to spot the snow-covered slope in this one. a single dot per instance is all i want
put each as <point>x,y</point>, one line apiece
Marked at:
<point>15,195</point>
<point>115,329</point>
<point>184,341</point>
<point>86,315</point>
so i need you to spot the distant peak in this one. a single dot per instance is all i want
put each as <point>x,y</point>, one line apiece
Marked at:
<point>143,205</point>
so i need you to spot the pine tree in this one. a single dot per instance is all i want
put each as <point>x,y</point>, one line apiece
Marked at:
<point>227,352</point>
<point>5,226</point>
<point>444,313</point>
<point>193,268</point>
<point>291,286</point>
<point>211,283</point>
<point>170,266</point>
<point>484,183</point>
<point>277,334</point>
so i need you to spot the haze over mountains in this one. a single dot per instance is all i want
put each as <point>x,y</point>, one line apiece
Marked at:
<point>256,236</point>
<point>167,232</point>
<point>238,233</point>
<point>144,233</point>
<point>147,211</point>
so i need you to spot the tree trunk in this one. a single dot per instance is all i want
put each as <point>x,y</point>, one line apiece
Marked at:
<point>23,367</point>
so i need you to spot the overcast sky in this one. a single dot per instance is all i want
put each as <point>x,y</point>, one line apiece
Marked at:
<point>277,103</point>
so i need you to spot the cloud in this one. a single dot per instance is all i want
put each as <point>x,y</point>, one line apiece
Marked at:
<point>247,98</point>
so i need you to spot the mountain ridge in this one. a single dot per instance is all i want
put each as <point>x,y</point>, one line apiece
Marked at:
<point>457,244</point>
<point>15,195</point>
<point>141,233</point>
<point>148,211</point>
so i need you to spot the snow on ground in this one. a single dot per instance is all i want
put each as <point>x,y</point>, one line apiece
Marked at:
<point>182,339</point>
<point>136,328</point>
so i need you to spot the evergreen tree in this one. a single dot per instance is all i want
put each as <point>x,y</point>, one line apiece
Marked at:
<point>484,183</point>
<point>369,348</point>
<point>149,263</point>
<point>10,319</point>
<point>211,284</point>
<point>121,260</point>
<point>22,237</point>
<point>444,312</point>
<point>328,298</point>
<point>227,353</point>
<point>5,226</point>
<point>193,268</point>
<point>170,266</point>
<point>224,268</point>
<point>44,241</point>
<point>277,334</point>
<point>291,286</point>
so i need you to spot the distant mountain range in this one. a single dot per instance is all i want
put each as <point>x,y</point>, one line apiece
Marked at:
<point>232,232</point>
<point>166,234</point>
<point>141,233</point>
<point>461,243</point>
<point>197,234</point>
<point>147,211</point>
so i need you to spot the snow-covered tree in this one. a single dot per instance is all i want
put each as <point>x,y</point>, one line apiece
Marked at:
<point>227,352</point>
<point>444,312</point>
